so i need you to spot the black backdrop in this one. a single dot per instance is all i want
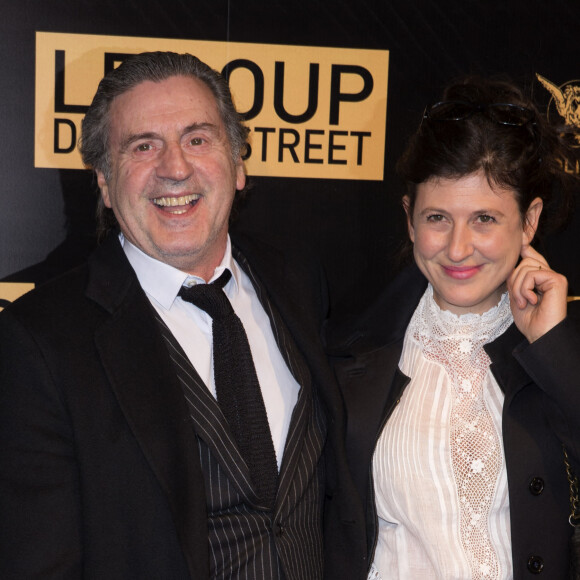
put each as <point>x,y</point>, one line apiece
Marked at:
<point>46,222</point>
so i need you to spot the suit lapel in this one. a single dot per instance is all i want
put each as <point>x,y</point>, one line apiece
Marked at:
<point>377,375</point>
<point>301,415</point>
<point>283,286</point>
<point>141,375</point>
<point>366,360</point>
<point>509,374</point>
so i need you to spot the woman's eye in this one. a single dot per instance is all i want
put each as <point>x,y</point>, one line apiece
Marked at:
<point>436,217</point>
<point>486,219</point>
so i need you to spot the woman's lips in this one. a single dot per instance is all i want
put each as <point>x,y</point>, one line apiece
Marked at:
<point>461,272</point>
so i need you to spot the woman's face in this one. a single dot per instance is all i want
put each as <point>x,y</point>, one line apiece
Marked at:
<point>467,239</point>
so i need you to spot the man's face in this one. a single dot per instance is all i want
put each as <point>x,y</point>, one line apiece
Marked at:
<point>173,179</point>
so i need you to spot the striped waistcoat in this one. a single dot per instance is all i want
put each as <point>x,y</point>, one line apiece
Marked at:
<point>245,539</point>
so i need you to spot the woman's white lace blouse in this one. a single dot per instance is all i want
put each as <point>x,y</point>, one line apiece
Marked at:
<point>439,469</point>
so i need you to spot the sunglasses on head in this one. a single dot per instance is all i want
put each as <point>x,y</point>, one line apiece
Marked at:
<point>501,113</point>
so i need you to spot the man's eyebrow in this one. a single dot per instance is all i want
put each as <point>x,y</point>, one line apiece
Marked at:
<point>130,139</point>
<point>201,127</point>
<point>432,209</point>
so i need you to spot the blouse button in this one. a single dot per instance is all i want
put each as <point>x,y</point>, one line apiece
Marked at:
<point>535,564</point>
<point>536,486</point>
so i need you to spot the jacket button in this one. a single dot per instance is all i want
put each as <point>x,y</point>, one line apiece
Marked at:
<point>536,486</point>
<point>535,564</point>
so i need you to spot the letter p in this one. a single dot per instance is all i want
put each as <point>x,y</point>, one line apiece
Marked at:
<point>336,96</point>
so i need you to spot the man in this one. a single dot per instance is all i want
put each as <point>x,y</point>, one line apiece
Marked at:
<point>116,457</point>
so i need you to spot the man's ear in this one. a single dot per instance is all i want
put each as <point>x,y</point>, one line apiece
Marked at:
<point>240,175</point>
<point>531,221</point>
<point>407,208</point>
<point>103,186</point>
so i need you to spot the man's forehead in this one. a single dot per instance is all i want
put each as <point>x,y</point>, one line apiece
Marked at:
<point>176,90</point>
<point>186,101</point>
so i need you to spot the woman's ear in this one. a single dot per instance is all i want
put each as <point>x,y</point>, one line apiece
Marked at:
<point>407,208</point>
<point>531,221</point>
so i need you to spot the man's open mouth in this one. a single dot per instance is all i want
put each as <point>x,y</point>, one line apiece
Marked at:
<point>176,205</point>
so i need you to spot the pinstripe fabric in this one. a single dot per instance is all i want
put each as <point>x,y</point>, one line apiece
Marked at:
<point>246,540</point>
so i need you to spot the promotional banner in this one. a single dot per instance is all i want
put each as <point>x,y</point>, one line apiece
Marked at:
<point>321,117</point>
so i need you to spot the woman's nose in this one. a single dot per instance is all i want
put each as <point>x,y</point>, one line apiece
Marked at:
<point>460,244</point>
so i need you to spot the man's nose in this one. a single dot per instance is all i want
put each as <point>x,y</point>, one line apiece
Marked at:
<point>174,164</point>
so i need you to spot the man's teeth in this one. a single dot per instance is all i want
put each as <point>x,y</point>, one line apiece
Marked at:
<point>175,201</point>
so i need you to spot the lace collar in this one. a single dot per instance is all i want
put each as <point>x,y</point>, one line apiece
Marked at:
<point>457,341</point>
<point>490,324</point>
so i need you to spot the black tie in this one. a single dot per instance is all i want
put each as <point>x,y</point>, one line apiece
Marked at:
<point>237,388</point>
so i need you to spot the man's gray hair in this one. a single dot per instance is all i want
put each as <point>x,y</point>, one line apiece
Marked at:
<point>156,67</point>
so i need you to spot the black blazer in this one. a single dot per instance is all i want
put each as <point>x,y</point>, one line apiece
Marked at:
<point>97,475</point>
<point>541,383</point>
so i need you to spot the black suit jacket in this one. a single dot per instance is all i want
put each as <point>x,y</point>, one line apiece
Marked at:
<point>97,474</point>
<point>541,383</point>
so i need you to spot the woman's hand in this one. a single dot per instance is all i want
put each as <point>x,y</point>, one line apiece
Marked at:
<point>537,295</point>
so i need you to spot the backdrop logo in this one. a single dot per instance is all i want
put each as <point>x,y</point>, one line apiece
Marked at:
<point>312,112</point>
<point>564,107</point>
<point>565,103</point>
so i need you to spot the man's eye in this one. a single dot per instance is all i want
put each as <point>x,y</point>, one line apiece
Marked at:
<point>144,147</point>
<point>196,141</point>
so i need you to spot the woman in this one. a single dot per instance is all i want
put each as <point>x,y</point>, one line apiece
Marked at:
<point>462,382</point>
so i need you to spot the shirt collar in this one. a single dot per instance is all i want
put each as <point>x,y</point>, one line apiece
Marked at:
<point>162,282</point>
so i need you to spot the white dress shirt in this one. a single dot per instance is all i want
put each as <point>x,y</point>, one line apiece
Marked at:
<point>192,328</point>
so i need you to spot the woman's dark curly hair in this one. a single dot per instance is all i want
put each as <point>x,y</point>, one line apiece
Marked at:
<point>525,156</point>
